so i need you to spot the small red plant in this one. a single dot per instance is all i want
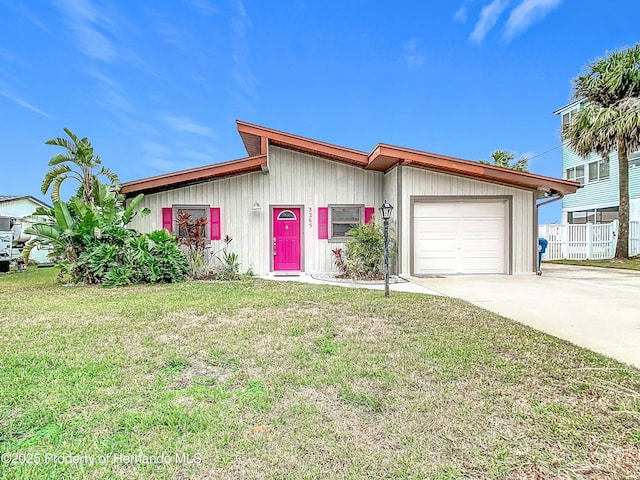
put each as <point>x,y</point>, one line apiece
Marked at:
<point>339,260</point>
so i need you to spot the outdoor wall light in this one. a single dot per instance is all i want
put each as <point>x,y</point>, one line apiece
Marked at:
<point>256,206</point>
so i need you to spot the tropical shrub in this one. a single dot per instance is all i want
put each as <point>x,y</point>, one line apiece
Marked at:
<point>363,256</point>
<point>92,245</point>
<point>339,260</point>
<point>230,265</point>
<point>194,242</point>
<point>88,235</point>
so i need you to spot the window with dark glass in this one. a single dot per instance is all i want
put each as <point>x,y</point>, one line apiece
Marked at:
<point>195,213</point>
<point>343,219</point>
<point>598,170</point>
<point>575,174</point>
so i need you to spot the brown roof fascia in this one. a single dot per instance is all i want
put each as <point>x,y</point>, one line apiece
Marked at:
<point>252,136</point>
<point>382,153</point>
<point>195,175</point>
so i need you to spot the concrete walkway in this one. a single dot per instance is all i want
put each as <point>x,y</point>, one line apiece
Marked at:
<point>404,286</point>
<point>596,308</point>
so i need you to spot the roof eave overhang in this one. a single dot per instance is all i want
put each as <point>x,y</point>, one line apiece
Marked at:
<point>384,157</point>
<point>195,175</point>
<point>256,138</point>
<point>567,106</point>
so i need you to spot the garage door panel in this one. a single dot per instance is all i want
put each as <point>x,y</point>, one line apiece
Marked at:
<point>434,211</point>
<point>435,265</point>
<point>480,265</point>
<point>465,237</point>
<point>481,209</point>
<point>479,245</point>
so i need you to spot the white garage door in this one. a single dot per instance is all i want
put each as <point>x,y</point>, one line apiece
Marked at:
<point>468,237</point>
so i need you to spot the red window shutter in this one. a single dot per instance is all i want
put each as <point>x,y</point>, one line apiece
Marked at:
<point>369,212</point>
<point>167,219</point>
<point>214,223</point>
<point>323,222</point>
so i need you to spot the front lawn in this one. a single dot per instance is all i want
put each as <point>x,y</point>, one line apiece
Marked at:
<point>258,379</point>
<point>632,263</point>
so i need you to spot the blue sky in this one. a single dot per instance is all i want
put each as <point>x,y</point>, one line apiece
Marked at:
<point>157,85</point>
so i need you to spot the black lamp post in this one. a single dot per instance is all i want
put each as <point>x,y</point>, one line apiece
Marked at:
<point>385,211</point>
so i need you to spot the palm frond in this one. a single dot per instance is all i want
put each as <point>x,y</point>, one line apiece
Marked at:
<point>52,174</point>
<point>61,158</point>
<point>62,142</point>
<point>110,175</point>
<point>55,188</point>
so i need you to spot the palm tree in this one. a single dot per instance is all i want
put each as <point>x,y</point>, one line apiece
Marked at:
<point>503,158</point>
<point>610,121</point>
<point>79,153</point>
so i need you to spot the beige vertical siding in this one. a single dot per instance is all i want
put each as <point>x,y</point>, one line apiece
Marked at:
<point>419,182</point>
<point>312,182</point>
<point>294,179</point>
<point>238,220</point>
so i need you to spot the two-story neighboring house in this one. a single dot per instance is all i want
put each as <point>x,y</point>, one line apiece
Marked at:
<point>598,199</point>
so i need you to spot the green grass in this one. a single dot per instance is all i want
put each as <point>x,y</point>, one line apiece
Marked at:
<point>257,379</point>
<point>632,263</point>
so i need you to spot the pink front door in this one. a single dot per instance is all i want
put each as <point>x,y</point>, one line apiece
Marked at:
<point>286,239</point>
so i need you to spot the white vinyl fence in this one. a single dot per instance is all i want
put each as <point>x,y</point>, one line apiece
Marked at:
<point>586,241</point>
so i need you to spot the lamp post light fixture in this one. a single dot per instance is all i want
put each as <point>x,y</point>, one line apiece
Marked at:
<point>385,211</point>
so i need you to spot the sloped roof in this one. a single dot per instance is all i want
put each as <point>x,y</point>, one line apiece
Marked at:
<point>195,175</point>
<point>383,157</point>
<point>10,198</point>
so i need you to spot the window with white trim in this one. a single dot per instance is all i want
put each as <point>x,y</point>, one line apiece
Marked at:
<point>634,160</point>
<point>575,174</point>
<point>567,118</point>
<point>195,212</point>
<point>597,215</point>
<point>343,218</point>
<point>598,170</point>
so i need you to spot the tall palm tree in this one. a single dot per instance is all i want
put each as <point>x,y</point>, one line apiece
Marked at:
<point>79,153</point>
<point>503,158</point>
<point>610,121</point>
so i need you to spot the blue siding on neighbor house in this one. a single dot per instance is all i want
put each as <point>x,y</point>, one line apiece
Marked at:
<point>601,193</point>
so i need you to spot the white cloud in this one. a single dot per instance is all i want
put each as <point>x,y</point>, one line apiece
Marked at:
<point>204,7</point>
<point>488,18</point>
<point>461,14</point>
<point>412,54</point>
<point>154,148</point>
<point>242,72</point>
<point>22,103</point>
<point>525,14</point>
<point>185,124</point>
<point>87,22</point>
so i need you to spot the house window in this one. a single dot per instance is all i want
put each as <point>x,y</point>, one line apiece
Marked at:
<point>344,218</point>
<point>286,215</point>
<point>567,118</point>
<point>599,170</point>
<point>597,215</point>
<point>575,174</point>
<point>195,213</point>
<point>634,160</point>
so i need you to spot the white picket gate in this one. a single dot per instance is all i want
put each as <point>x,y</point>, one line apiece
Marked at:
<point>586,241</point>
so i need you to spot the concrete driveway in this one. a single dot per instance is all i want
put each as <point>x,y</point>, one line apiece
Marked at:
<point>596,308</point>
